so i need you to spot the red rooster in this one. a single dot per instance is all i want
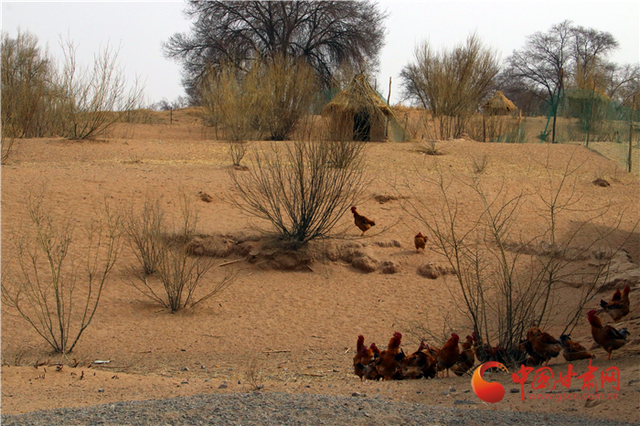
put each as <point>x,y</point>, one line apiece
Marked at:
<point>448,355</point>
<point>389,361</point>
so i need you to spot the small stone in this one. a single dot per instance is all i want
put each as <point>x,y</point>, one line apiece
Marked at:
<point>356,394</point>
<point>452,389</point>
<point>185,369</point>
<point>513,390</point>
<point>184,383</point>
<point>222,386</point>
<point>445,393</point>
<point>466,391</point>
<point>101,390</point>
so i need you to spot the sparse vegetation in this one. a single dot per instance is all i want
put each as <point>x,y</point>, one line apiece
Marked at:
<point>299,190</point>
<point>451,84</point>
<point>169,274</point>
<point>54,284</point>
<point>509,281</point>
<point>75,102</point>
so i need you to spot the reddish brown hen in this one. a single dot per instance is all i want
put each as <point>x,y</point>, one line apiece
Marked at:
<point>362,222</point>
<point>606,336</point>
<point>618,307</point>
<point>573,351</point>
<point>544,344</point>
<point>389,361</point>
<point>467,358</point>
<point>420,241</point>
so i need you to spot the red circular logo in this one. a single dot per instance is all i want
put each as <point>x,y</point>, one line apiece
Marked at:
<point>487,391</point>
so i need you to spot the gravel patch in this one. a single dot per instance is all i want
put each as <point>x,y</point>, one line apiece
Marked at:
<point>283,409</point>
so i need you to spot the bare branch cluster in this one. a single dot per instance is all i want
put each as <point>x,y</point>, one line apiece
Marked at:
<point>58,282</point>
<point>169,275</point>
<point>324,34</point>
<point>509,281</point>
<point>299,189</point>
<point>451,84</point>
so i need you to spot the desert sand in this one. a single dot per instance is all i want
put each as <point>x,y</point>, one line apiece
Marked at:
<point>286,330</point>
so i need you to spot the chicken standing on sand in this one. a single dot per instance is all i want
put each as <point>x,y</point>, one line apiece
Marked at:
<point>389,361</point>
<point>420,241</point>
<point>362,222</point>
<point>618,307</point>
<point>573,351</point>
<point>448,355</point>
<point>606,336</point>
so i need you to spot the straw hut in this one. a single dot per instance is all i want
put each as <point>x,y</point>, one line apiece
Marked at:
<point>499,105</point>
<point>360,113</point>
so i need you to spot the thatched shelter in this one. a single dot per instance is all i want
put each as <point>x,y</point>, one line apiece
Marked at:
<point>360,113</point>
<point>499,105</point>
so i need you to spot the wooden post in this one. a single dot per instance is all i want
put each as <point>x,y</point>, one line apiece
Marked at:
<point>629,160</point>
<point>484,129</point>
<point>171,116</point>
<point>386,129</point>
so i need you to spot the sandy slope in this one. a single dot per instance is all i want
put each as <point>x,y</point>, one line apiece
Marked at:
<point>298,327</point>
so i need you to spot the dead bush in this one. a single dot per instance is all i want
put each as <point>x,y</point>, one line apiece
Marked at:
<point>170,274</point>
<point>54,281</point>
<point>295,188</point>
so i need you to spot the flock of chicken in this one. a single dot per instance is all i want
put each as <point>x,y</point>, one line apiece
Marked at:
<point>539,347</point>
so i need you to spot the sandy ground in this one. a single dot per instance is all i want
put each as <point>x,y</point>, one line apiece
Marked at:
<point>297,329</point>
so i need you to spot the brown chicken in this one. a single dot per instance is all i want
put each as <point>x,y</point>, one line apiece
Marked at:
<point>389,361</point>
<point>466,360</point>
<point>430,370</point>
<point>413,364</point>
<point>449,353</point>
<point>607,337</point>
<point>618,307</point>
<point>363,358</point>
<point>534,358</point>
<point>362,222</point>
<point>544,344</point>
<point>573,351</point>
<point>420,241</point>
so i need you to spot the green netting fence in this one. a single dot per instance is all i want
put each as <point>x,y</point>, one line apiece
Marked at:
<point>584,117</point>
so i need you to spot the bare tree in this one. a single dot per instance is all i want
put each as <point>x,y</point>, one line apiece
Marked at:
<point>27,87</point>
<point>451,84</point>
<point>92,100</point>
<point>590,48</point>
<point>325,34</point>
<point>541,63</point>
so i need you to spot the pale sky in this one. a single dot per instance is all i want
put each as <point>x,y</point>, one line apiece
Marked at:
<point>139,28</point>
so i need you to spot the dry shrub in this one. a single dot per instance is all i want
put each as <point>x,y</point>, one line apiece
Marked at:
<point>270,97</point>
<point>28,90</point>
<point>298,191</point>
<point>237,151</point>
<point>55,282</point>
<point>503,292</point>
<point>451,83</point>
<point>170,275</point>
